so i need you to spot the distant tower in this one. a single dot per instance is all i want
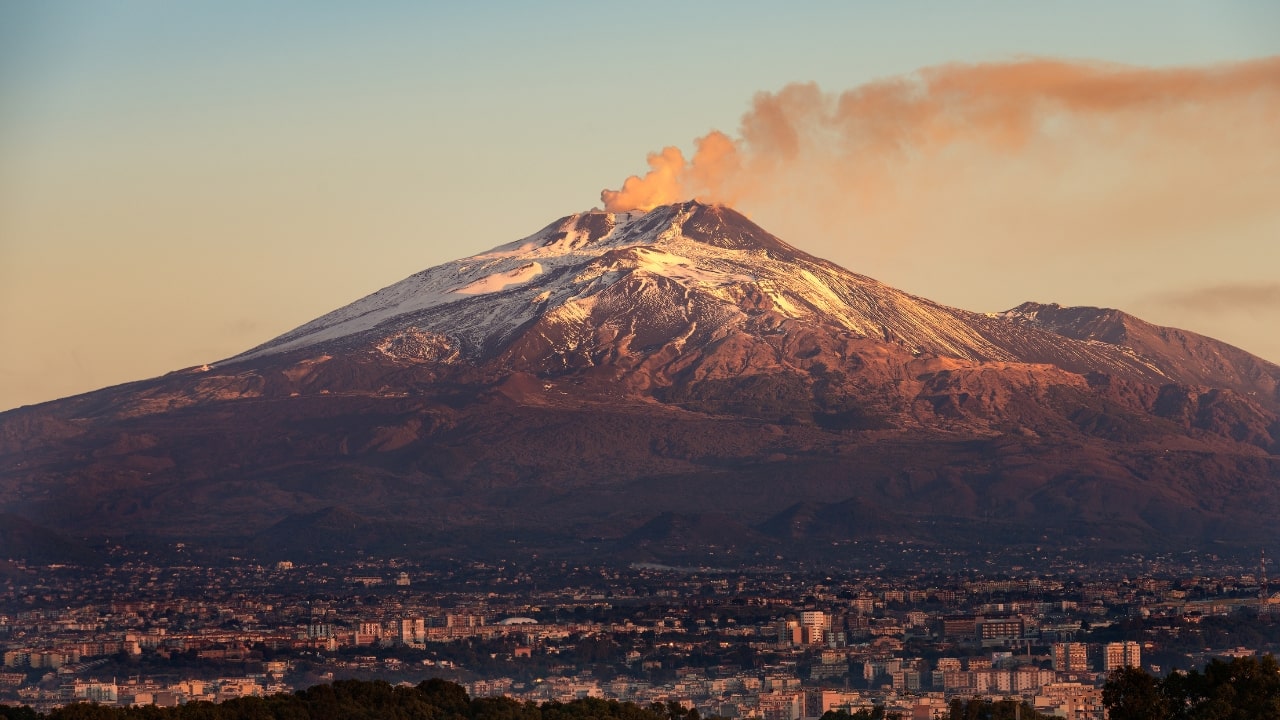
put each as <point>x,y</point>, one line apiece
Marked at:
<point>1263,597</point>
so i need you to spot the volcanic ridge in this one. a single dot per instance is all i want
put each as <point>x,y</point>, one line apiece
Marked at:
<point>671,385</point>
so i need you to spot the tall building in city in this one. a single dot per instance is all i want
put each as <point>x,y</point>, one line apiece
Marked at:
<point>998,630</point>
<point>1263,597</point>
<point>413,630</point>
<point>1070,657</point>
<point>1121,654</point>
<point>814,618</point>
<point>815,622</point>
<point>790,632</point>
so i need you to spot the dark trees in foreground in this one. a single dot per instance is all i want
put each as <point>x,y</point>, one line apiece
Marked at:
<point>986,709</point>
<point>1240,689</point>
<point>433,699</point>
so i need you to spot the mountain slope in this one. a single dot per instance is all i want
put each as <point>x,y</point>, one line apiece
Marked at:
<point>674,379</point>
<point>1185,356</point>
<point>692,274</point>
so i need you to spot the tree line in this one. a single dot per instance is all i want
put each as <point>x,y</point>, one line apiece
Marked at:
<point>1244,688</point>
<point>433,699</point>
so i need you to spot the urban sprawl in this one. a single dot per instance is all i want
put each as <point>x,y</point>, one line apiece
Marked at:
<point>760,643</point>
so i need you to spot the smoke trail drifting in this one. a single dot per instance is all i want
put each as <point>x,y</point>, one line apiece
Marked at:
<point>860,143</point>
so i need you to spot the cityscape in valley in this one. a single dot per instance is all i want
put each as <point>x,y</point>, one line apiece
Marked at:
<point>771,643</point>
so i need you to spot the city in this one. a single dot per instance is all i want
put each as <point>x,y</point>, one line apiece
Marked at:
<point>760,643</point>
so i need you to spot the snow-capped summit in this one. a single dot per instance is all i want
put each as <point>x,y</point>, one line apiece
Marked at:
<point>677,264</point>
<point>478,301</point>
<point>635,379</point>
<point>595,285</point>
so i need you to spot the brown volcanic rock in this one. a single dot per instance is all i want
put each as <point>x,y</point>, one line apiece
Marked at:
<point>675,380</point>
<point>564,453</point>
<point>1181,356</point>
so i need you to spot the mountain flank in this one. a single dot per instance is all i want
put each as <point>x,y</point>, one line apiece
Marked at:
<point>667,386</point>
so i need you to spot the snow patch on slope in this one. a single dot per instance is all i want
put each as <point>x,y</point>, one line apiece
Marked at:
<point>501,280</point>
<point>677,267</point>
<point>645,275</point>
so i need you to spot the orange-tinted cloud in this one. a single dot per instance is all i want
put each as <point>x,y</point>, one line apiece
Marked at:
<point>1236,297</point>
<point>853,145</point>
<point>661,185</point>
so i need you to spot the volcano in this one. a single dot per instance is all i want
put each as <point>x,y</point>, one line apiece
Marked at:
<point>667,385</point>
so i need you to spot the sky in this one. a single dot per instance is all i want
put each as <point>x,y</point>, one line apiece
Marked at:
<point>182,181</point>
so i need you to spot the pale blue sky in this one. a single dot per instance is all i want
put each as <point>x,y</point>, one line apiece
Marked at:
<point>180,181</point>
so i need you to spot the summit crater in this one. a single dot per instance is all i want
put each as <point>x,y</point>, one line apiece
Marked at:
<point>611,369</point>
